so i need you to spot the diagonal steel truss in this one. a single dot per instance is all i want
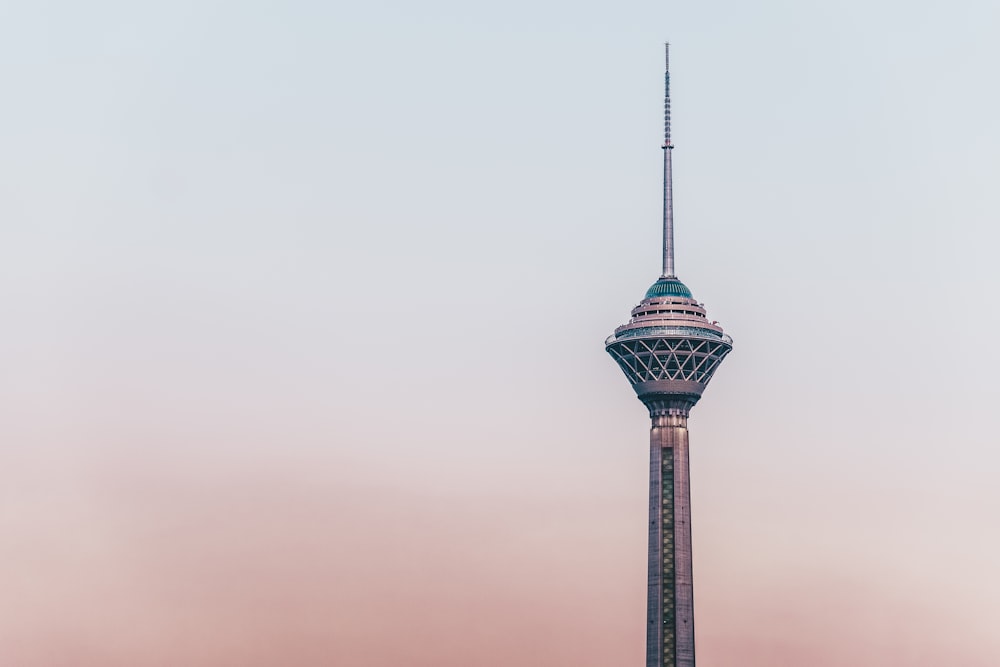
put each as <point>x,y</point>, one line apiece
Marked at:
<point>692,359</point>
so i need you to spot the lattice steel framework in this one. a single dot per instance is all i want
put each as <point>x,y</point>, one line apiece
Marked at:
<point>688,359</point>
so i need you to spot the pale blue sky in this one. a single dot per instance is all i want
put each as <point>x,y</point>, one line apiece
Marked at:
<point>393,236</point>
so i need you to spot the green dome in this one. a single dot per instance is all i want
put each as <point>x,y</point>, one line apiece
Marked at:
<point>667,287</point>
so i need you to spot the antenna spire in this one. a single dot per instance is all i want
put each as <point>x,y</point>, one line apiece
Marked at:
<point>668,185</point>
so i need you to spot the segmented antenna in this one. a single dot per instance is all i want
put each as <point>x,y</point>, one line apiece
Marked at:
<point>668,186</point>
<point>666,98</point>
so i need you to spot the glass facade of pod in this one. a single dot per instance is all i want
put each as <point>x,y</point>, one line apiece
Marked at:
<point>667,332</point>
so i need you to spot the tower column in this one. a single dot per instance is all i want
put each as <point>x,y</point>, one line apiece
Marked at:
<point>670,596</point>
<point>669,350</point>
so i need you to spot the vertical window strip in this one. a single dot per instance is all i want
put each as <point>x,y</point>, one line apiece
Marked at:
<point>667,519</point>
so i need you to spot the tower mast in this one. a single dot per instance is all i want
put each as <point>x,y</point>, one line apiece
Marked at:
<point>669,350</point>
<point>668,185</point>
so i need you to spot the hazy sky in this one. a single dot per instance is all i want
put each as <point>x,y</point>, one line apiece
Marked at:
<point>304,306</point>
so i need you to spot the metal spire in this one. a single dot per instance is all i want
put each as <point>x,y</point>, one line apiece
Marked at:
<point>668,186</point>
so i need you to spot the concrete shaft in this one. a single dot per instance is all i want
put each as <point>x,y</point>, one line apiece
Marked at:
<point>670,599</point>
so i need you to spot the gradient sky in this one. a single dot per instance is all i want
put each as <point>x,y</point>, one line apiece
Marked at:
<point>301,359</point>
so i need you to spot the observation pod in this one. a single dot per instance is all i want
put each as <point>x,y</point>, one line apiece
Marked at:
<point>669,349</point>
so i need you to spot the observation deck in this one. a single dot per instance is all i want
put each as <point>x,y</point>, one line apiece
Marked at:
<point>669,347</point>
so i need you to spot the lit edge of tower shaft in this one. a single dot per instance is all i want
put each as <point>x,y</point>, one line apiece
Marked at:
<point>669,351</point>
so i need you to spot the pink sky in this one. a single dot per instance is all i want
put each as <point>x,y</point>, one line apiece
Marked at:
<point>263,553</point>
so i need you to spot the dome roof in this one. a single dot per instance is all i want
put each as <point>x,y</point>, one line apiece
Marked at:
<point>668,287</point>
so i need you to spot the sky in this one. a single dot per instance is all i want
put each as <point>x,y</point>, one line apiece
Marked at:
<point>304,307</point>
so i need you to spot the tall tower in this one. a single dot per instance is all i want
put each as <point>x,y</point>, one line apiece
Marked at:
<point>669,351</point>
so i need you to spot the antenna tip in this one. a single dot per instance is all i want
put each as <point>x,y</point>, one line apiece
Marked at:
<point>666,48</point>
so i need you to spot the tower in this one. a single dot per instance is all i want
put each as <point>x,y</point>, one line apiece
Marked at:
<point>669,351</point>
